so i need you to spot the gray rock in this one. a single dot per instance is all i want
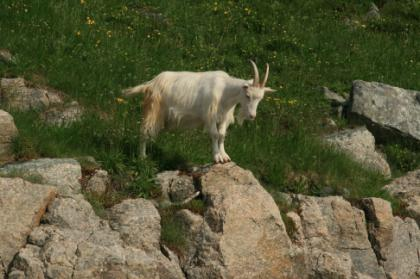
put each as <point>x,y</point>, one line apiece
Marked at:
<point>62,173</point>
<point>338,103</point>
<point>373,13</point>
<point>388,110</point>
<point>333,97</point>
<point>98,183</point>
<point>243,235</point>
<point>175,187</point>
<point>16,95</point>
<point>360,145</point>
<point>380,224</point>
<point>402,254</point>
<point>6,56</point>
<point>8,132</point>
<point>407,190</point>
<point>63,115</point>
<point>335,230</point>
<point>22,205</point>
<point>138,223</point>
<point>75,243</point>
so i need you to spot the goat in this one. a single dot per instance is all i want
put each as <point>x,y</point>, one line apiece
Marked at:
<point>198,99</point>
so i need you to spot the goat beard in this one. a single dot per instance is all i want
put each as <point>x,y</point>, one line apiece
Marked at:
<point>241,116</point>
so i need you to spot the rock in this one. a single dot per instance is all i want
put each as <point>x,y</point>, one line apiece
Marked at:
<point>6,56</point>
<point>138,223</point>
<point>360,145</point>
<point>16,95</point>
<point>388,111</point>
<point>402,254</point>
<point>98,183</point>
<point>407,190</point>
<point>175,187</point>
<point>335,232</point>
<point>62,173</point>
<point>75,243</point>
<point>337,102</point>
<point>373,13</point>
<point>243,235</point>
<point>63,115</point>
<point>8,132</point>
<point>333,97</point>
<point>380,224</point>
<point>22,205</point>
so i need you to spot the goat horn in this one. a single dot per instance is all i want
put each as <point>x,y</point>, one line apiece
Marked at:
<point>267,70</point>
<point>256,74</point>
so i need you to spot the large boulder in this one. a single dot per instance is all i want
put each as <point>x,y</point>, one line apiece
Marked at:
<point>396,241</point>
<point>75,243</point>
<point>65,174</point>
<point>8,132</point>
<point>22,205</point>
<point>335,231</point>
<point>359,143</point>
<point>15,94</point>
<point>407,190</point>
<point>388,110</point>
<point>242,234</point>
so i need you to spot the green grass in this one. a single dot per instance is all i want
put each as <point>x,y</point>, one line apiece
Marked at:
<point>92,49</point>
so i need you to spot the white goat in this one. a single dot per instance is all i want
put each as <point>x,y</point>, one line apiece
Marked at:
<point>198,99</point>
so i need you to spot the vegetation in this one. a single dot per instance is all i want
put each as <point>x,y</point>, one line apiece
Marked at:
<point>91,49</point>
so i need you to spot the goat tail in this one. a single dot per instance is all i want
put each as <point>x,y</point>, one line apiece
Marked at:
<point>136,90</point>
<point>153,113</point>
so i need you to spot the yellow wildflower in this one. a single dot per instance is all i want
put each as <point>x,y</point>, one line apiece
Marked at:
<point>90,21</point>
<point>120,100</point>
<point>78,33</point>
<point>82,2</point>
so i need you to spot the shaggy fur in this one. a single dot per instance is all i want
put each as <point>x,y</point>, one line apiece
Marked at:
<point>197,99</point>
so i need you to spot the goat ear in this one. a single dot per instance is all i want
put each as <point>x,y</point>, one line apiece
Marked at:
<point>245,86</point>
<point>269,90</point>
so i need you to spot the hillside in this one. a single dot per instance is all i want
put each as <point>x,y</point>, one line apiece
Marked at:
<point>91,49</point>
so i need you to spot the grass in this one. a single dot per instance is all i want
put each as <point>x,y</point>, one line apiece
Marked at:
<point>91,49</point>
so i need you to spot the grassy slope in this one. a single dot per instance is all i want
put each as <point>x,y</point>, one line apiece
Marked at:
<point>91,49</point>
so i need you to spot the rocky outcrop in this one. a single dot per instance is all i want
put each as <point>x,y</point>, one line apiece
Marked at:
<point>62,173</point>
<point>241,234</point>
<point>396,240</point>
<point>387,110</point>
<point>333,239</point>
<point>15,94</point>
<point>8,132</point>
<point>360,145</point>
<point>75,243</point>
<point>22,205</point>
<point>407,190</point>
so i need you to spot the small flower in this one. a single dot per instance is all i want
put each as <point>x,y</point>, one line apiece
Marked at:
<point>120,100</point>
<point>78,33</point>
<point>90,21</point>
<point>109,33</point>
<point>82,2</point>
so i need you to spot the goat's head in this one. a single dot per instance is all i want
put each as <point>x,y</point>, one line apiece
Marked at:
<point>253,93</point>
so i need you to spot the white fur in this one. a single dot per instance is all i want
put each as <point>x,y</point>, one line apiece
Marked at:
<point>196,99</point>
